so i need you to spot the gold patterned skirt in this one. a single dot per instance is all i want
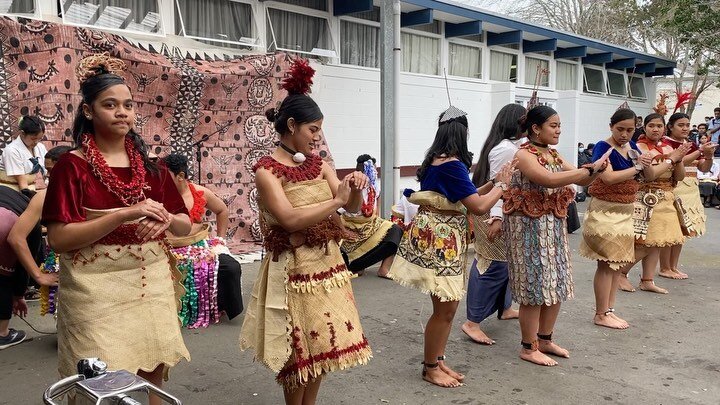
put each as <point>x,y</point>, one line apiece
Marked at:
<point>660,222</point>
<point>431,256</point>
<point>302,321</point>
<point>689,192</point>
<point>118,303</point>
<point>608,233</point>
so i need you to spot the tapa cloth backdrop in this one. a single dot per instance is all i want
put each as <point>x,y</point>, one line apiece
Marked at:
<point>179,98</point>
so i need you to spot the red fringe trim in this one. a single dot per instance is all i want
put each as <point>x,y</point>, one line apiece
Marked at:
<point>623,192</point>
<point>304,278</point>
<point>334,354</point>
<point>309,170</point>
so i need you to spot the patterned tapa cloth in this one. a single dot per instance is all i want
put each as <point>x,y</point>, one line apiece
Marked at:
<point>689,192</point>
<point>179,98</point>
<point>608,232</point>
<point>431,256</point>
<point>486,251</point>
<point>108,293</point>
<point>537,246</point>
<point>655,217</point>
<point>302,321</point>
<point>370,233</point>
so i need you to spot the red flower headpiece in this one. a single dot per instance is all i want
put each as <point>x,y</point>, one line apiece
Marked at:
<point>300,77</point>
<point>682,99</point>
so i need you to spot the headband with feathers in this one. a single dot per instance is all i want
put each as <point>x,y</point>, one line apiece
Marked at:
<point>299,78</point>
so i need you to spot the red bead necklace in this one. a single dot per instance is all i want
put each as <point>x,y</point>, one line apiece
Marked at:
<point>129,193</point>
<point>557,161</point>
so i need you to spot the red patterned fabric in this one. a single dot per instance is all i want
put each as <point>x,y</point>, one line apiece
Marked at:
<point>179,98</point>
<point>309,170</point>
<point>74,187</point>
<point>198,209</point>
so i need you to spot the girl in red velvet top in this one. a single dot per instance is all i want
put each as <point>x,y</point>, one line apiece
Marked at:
<point>107,211</point>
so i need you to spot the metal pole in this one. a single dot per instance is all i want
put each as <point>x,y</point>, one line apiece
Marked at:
<point>390,65</point>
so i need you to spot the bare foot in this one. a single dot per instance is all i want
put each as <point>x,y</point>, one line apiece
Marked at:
<point>534,356</point>
<point>509,314</point>
<point>627,325</point>
<point>474,332</point>
<point>549,347</point>
<point>683,276</point>
<point>624,285</point>
<point>650,286</point>
<point>669,273</point>
<point>608,321</point>
<point>439,378</point>
<point>450,372</point>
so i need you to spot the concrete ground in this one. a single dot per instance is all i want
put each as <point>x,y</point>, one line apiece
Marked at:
<point>670,355</point>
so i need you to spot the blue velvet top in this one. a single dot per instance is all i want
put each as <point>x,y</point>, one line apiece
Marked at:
<point>450,179</point>
<point>617,160</point>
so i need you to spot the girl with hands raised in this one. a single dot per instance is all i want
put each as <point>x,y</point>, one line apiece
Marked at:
<point>288,322</point>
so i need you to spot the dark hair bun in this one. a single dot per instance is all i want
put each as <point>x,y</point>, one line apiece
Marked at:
<point>271,115</point>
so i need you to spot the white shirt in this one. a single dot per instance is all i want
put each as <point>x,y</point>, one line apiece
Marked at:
<point>499,155</point>
<point>16,157</point>
<point>711,175</point>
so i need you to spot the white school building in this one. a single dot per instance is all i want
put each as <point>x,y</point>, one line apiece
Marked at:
<point>490,60</point>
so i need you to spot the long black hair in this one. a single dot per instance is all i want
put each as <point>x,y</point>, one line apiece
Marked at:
<point>671,121</point>
<point>299,107</point>
<point>505,126</point>
<point>90,90</point>
<point>450,141</point>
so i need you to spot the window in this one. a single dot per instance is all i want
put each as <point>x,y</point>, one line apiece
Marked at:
<point>537,72</point>
<point>19,7</point>
<point>316,4</point>
<point>465,60</point>
<point>566,77</point>
<point>359,44</point>
<point>637,87</point>
<point>503,66</point>
<point>421,54</point>
<point>222,21</point>
<point>125,15</point>
<point>594,80</point>
<point>616,84</point>
<point>298,32</point>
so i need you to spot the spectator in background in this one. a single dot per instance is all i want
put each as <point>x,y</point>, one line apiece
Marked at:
<point>693,135</point>
<point>638,129</point>
<point>708,182</point>
<point>22,163</point>
<point>702,131</point>
<point>713,129</point>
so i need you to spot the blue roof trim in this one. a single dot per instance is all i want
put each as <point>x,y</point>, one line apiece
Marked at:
<point>476,14</point>
<point>344,7</point>
<point>463,29</point>
<point>546,45</point>
<point>663,71</point>
<point>642,68</point>
<point>574,52</point>
<point>598,58</point>
<point>621,64</point>
<point>420,17</point>
<point>504,38</point>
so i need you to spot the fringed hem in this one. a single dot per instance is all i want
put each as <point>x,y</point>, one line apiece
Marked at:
<point>166,368</point>
<point>425,291</point>
<point>309,373</point>
<point>663,244</point>
<point>614,265</point>
<point>550,303</point>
